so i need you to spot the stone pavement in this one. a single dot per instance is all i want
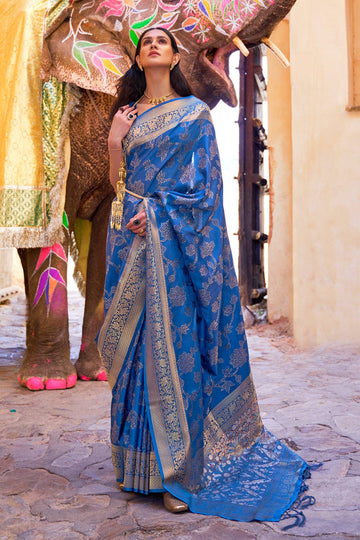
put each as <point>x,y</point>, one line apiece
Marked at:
<point>57,481</point>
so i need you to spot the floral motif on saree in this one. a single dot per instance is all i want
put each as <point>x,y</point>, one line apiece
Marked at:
<point>185,416</point>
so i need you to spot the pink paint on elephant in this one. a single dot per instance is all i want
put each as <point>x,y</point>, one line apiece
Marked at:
<point>32,383</point>
<point>37,383</point>
<point>58,384</point>
<point>99,377</point>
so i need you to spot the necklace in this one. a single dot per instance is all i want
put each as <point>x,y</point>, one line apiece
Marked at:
<point>156,101</point>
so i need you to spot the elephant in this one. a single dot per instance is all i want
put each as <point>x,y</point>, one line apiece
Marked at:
<point>87,46</point>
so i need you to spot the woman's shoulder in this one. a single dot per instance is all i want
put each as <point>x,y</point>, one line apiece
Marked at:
<point>196,104</point>
<point>197,101</point>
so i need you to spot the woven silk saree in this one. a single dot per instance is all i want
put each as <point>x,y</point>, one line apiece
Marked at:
<point>185,416</point>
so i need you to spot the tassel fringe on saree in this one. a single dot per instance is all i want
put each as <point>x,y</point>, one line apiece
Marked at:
<point>185,417</point>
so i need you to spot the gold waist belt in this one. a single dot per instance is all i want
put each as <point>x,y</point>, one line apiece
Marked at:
<point>134,194</point>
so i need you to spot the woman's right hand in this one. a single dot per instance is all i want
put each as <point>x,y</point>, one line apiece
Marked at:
<point>120,126</point>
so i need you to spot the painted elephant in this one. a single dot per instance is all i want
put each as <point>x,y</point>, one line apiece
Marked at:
<point>86,46</point>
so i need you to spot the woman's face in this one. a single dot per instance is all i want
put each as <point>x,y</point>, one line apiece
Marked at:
<point>156,50</point>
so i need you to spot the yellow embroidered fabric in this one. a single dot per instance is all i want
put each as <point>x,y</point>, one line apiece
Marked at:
<point>34,149</point>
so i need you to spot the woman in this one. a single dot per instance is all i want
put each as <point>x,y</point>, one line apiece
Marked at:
<point>185,419</point>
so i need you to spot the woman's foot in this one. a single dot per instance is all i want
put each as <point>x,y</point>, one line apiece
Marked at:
<point>174,505</point>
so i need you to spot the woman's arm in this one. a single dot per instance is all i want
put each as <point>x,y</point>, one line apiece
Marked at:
<point>119,129</point>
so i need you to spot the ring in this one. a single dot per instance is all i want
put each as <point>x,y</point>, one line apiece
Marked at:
<point>131,116</point>
<point>136,222</point>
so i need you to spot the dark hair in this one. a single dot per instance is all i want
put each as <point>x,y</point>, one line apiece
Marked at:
<point>132,84</point>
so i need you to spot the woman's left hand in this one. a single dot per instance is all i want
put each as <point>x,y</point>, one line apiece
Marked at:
<point>137,224</point>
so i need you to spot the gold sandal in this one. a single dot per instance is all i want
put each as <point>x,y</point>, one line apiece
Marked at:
<point>174,505</point>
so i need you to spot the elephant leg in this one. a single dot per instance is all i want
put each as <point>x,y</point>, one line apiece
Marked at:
<point>46,364</point>
<point>89,365</point>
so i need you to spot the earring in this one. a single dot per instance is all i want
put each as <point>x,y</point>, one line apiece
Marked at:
<point>140,67</point>
<point>172,66</point>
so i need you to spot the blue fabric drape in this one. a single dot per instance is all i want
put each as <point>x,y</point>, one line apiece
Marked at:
<point>185,416</point>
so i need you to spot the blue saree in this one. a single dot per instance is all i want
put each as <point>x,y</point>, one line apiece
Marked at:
<point>185,417</point>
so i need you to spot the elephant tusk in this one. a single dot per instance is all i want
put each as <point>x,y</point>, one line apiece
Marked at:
<point>285,62</point>
<point>241,46</point>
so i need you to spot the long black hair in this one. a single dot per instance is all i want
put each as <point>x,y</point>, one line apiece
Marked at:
<point>132,84</point>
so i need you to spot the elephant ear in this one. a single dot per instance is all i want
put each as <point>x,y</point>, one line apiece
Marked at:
<point>83,50</point>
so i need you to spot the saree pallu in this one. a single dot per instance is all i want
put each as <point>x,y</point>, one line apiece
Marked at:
<point>184,415</point>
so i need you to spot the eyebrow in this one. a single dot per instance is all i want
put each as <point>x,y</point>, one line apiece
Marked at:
<point>157,36</point>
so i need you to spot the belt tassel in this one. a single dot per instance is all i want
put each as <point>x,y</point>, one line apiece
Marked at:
<point>118,204</point>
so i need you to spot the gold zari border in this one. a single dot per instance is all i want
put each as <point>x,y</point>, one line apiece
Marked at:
<point>139,480</point>
<point>168,415</point>
<point>123,316</point>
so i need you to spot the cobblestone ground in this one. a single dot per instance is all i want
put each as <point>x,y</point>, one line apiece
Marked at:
<point>56,475</point>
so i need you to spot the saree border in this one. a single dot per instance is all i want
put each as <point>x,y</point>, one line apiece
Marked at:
<point>136,482</point>
<point>123,316</point>
<point>224,424</point>
<point>159,119</point>
<point>167,417</point>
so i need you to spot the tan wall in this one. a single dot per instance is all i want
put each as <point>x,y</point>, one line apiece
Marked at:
<point>280,286</point>
<point>6,257</point>
<point>326,179</point>
<point>11,273</point>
